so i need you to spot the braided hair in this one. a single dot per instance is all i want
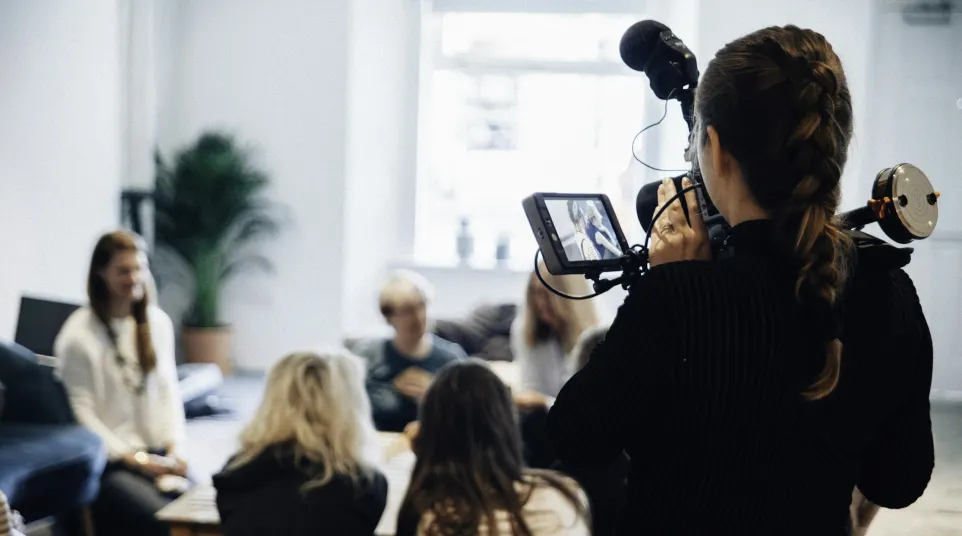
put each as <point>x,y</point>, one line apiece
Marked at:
<point>780,103</point>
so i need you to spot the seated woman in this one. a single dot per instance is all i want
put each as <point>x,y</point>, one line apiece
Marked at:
<point>469,479</point>
<point>305,463</point>
<point>117,363</point>
<point>401,369</point>
<point>600,234</point>
<point>546,330</point>
<point>542,336</point>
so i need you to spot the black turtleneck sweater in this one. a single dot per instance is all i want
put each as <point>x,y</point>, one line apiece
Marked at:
<point>266,497</point>
<point>699,381</point>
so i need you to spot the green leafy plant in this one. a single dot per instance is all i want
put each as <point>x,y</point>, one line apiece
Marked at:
<point>211,213</point>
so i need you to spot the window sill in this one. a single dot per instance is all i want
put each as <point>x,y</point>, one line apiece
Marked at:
<point>479,268</point>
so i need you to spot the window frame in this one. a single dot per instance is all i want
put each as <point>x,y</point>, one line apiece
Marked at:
<point>432,59</point>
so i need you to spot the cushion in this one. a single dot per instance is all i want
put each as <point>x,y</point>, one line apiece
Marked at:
<point>49,469</point>
<point>34,393</point>
<point>485,333</point>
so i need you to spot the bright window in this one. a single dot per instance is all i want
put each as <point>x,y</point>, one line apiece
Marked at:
<point>514,103</point>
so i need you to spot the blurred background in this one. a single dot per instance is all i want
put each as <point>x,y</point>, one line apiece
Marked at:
<point>404,134</point>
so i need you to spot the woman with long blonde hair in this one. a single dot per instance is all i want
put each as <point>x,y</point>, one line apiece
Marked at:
<point>305,465</point>
<point>547,329</point>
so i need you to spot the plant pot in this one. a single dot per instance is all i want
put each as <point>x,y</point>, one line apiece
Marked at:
<point>208,345</point>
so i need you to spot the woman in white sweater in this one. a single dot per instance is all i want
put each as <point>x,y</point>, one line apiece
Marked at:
<point>469,477</point>
<point>547,329</point>
<point>117,363</point>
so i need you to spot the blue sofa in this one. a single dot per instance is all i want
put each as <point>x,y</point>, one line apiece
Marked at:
<point>49,465</point>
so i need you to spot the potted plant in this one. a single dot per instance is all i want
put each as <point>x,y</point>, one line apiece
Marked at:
<point>211,213</point>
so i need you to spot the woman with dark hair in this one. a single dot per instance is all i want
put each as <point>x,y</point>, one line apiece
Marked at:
<point>600,234</point>
<point>469,478</point>
<point>586,247</point>
<point>724,380</point>
<point>117,363</point>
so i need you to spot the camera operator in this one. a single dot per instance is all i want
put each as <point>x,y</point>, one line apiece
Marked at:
<point>724,380</point>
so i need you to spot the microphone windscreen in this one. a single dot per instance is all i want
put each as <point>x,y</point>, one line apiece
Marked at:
<point>646,203</point>
<point>638,42</point>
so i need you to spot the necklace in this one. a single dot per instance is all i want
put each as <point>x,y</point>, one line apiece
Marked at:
<point>136,386</point>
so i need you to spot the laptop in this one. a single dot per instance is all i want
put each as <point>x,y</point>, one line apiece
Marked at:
<point>39,323</point>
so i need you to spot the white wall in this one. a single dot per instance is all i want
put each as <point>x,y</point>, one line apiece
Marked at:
<point>59,145</point>
<point>330,94</point>
<point>905,83</point>
<point>913,117</point>
<point>844,24</point>
<point>274,73</point>
<point>382,131</point>
<point>912,110</point>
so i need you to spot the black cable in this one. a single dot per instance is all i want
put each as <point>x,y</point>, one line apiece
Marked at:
<point>537,272</point>
<point>677,196</point>
<point>642,131</point>
<point>640,251</point>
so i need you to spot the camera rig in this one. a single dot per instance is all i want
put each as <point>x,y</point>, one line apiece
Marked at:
<point>902,199</point>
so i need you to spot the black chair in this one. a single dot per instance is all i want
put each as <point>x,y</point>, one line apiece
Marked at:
<point>40,321</point>
<point>49,465</point>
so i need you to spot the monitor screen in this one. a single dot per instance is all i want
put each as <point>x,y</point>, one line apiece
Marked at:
<point>584,227</point>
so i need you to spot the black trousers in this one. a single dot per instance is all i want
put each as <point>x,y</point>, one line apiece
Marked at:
<point>538,453</point>
<point>128,502</point>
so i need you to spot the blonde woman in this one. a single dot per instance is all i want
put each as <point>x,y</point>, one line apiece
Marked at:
<point>547,329</point>
<point>305,466</point>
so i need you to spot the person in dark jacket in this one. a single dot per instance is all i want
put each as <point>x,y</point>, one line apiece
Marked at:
<point>604,486</point>
<point>400,369</point>
<point>306,466</point>
<point>724,380</point>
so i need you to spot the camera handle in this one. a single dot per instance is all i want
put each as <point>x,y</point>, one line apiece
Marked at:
<point>633,263</point>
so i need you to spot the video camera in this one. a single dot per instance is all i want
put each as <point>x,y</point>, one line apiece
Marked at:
<point>580,234</point>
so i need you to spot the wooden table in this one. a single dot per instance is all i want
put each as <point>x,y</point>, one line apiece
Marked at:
<point>195,512</point>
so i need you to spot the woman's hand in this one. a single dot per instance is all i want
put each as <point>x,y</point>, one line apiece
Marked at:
<point>412,430</point>
<point>178,466</point>
<point>413,383</point>
<point>672,238</point>
<point>529,400</point>
<point>149,465</point>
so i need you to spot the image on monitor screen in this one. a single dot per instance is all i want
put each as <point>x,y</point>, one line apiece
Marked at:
<point>584,228</point>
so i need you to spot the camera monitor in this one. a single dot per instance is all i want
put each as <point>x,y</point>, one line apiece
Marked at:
<point>577,233</point>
